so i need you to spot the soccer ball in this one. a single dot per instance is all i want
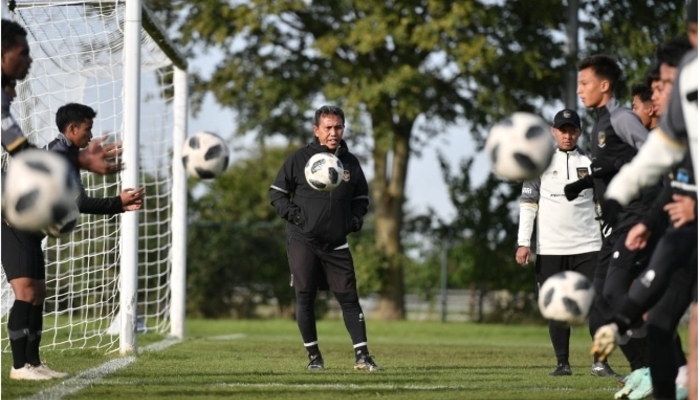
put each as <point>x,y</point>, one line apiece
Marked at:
<point>323,171</point>
<point>205,155</point>
<point>39,192</point>
<point>566,297</point>
<point>520,147</point>
<point>65,225</point>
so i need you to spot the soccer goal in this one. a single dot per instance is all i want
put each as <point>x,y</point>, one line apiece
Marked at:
<point>113,276</point>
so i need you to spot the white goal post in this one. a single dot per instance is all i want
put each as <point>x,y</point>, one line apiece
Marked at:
<point>113,274</point>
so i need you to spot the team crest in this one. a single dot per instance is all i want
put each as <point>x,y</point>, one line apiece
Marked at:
<point>346,175</point>
<point>566,114</point>
<point>601,139</point>
<point>581,172</point>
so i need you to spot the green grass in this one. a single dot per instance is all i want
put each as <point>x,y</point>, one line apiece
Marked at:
<point>421,360</point>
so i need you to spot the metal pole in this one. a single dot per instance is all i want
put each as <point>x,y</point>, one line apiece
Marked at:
<point>129,240</point>
<point>178,248</point>
<point>443,282</point>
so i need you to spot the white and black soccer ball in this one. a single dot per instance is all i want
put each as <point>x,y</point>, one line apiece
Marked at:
<point>205,155</point>
<point>324,171</point>
<point>65,226</point>
<point>39,192</point>
<point>566,297</point>
<point>520,147</point>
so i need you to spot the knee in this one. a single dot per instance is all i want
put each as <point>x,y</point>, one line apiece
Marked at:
<point>348,299</point>
<point>305,299</point>
<point>25,293</point>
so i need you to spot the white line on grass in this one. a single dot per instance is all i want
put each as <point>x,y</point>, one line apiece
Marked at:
<point>91,376</point>
<point>232,336</point>
<point>387,386</point>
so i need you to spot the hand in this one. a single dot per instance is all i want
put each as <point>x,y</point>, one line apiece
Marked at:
<point>681,210</point>
<point>132,199</point>
<point>94,157</point>
<point>522,255</point>
<point>637,237</point>
<point>610,209</point>
<point>294,215</point>
<point>602,169</point>
<point>355,224</point>
<point>572,190</point>
<point>605,341</point>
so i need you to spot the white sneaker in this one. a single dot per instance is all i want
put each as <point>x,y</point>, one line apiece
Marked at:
<point>28,373</point>
<point>44,369</point>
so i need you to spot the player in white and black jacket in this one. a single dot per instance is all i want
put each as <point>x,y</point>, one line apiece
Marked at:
<point>317,226</point>
<point>568,236</point>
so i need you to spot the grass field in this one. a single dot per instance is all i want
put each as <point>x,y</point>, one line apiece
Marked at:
<point>265,360</point>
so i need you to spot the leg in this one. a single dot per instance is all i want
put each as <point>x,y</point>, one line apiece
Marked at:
<point>18,320</point>
<point>340,272</point>
<point>303,267</point>
<point>693,351</point>
<point>623,269</point>
<point>36,319</point>
<point>545,267</point>
<point>662,324</point>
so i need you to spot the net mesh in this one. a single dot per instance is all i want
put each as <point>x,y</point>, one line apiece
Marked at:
<point>78,57</point>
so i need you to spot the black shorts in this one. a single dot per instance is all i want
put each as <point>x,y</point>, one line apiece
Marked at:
<point>314,269</point>
<point>548,265</point>
<point>22,256</point>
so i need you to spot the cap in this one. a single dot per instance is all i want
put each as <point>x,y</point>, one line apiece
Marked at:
<point>567,117</point>
<point>692,11</point>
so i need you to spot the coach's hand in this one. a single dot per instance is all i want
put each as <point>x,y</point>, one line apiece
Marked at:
<point>572,190</point>
<point>681,210</point>
<point>356,224</point>
<point>522,255</point>
<point>604,341</point>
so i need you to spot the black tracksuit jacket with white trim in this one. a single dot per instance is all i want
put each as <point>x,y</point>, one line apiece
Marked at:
<point>320,218</point>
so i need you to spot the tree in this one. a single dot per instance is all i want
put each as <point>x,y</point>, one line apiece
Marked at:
<point>236,242</point>
<point>403,70</point>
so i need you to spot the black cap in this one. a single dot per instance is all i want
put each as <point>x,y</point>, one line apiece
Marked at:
<point>567,117</point>
<point>692,11</point>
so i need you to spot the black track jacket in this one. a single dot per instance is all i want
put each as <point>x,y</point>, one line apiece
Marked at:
<point>86,205</point>
<point>323,217</point>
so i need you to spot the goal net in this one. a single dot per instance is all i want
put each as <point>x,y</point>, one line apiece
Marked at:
<point>79,54</point>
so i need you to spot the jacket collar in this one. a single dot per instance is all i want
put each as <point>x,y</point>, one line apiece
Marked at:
<point>64,141</point>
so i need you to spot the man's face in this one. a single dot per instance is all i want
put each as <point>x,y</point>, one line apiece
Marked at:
<point>566,136</point>
<point>668,78</point>
<point>80,134</point>
<point>329,131</point>
<point>693,34</point>
<point>590,88</point>
<point>656,89</point>
<point>16,60</point>
<point>644,110</point>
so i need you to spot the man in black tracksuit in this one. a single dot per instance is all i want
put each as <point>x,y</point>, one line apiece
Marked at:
<point>615,138</point>
<point>317,225</point>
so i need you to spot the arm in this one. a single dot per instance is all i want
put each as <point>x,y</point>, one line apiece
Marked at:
<point>360,200</point>
<point>529,200</point>
<point>655,216</point>
<point>654,159</point>
<point>13,140</point>
<point>100,205</point>
<point>281,192</point>
<point>629,128</point>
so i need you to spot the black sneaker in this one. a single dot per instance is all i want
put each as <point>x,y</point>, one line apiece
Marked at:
<point>603,369</point>
<point>561,370</point>
<point>315,362</point>
<point>366,363</point>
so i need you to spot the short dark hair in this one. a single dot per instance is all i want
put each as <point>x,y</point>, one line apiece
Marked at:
<point>604,66</point>
<point>328,110</point>
<point>652,75</point>
<point>672,51</point>
<point>11,31</point>
<point>641,90</point>
<point>73,113</point>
